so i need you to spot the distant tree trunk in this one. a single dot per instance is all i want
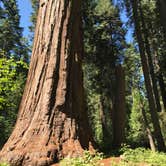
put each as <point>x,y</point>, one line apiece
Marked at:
<point>160,77</point>
<point>118,113</point>
<point>157,130</point>
<point>161,5</point>
<point>149,133</point>
<point>162,88</point>
<point>150,61</point>
<point>103,118</point>
<point>52,122</point>
<point>106,133</point>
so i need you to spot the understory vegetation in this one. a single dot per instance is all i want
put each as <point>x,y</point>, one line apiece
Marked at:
<point>128,157</point>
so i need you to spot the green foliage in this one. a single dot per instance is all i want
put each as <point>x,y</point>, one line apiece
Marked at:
<point>104,7</point>
<point>12,43</point>
<point>93,98</point>
<point>35,6</point>
<point>104,43</point>
<point>14,59</point>
<point>88,159</point>
<point>132,76</point>
<point>156,37</point>
<point>137,133</point>
<point>129,157</point>
<point>11,89</point>
<point>4,164</point>
<point>162,117</point>
<point>141,155</point>
<point>136,99</point>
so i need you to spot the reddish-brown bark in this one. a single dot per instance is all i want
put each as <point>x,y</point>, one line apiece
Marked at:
<point>52,122</point>
<point>119,113</point>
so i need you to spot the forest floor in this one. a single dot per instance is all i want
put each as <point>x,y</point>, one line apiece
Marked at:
<point>115,161</point>
<point>112,161</point>
<point>125,157</point>
<point>104,162</point>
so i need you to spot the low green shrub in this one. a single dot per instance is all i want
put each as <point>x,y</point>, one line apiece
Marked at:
<point>88,159</point>
<point>141,155</point>
<point>130,157</point>
<point>4,164</point>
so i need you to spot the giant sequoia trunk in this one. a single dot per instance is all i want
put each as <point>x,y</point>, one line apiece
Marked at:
<point>157,130</point>
<point>52,122</point>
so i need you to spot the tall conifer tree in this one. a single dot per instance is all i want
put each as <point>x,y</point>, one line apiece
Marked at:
<point>52,122</point>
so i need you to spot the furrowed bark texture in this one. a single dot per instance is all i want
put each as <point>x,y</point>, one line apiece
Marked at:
<point>52,123</point>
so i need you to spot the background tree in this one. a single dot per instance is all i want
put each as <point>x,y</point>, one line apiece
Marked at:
<point>136,8</point>
<point>12,42</point>
<point>104,43</point>
<point>161,6</point>
<point>35,7</point>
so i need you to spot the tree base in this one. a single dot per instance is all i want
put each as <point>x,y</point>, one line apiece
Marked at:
<point>44,156</point>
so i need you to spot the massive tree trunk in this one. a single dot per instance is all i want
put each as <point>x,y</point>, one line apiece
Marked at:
<point>157,130</point>
<point>118,113</point>
<point>52,123</point>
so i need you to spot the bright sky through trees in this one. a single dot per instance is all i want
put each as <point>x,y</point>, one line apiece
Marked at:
<point>25,11</point>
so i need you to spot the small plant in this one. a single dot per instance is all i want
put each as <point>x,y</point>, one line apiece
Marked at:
<point>4,164</point>
<point>141,155</point>
<point>88,159</point>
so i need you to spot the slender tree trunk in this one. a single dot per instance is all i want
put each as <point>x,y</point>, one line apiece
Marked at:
<point>160,77</point>
<point>106,133</point>
<point>118,114</point>
<point>162,88</point>
<point>161,5</point>
<point>157,130</point>
<point>52,122</point>
<point>150,61</point>
<point>149,133</point>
